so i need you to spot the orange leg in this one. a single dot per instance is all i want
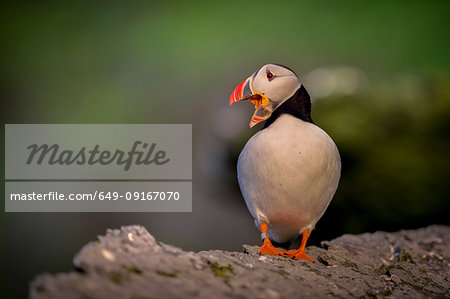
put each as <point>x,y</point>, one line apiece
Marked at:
<point>267,248</point>
<point>300,254</point>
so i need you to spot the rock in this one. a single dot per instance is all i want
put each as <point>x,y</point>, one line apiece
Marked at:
<point>130,263</point>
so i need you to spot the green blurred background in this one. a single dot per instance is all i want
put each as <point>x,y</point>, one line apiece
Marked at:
<point>378,73</point>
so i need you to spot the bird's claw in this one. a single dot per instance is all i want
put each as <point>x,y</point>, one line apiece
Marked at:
<point>301,255</point>
<point>269,249</point>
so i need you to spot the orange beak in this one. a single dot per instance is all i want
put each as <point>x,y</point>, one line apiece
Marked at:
<point>244,91</point>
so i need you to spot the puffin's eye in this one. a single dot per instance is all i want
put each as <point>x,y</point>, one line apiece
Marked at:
<point>269,75</point>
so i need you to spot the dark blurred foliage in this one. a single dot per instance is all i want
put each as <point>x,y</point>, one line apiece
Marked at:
<point>378,74</point>
<point>394,145</point>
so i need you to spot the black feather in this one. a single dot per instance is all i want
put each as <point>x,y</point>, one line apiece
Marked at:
<point>299,105</point>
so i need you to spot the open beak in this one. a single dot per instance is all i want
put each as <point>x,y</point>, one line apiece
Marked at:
<point>244,91</point>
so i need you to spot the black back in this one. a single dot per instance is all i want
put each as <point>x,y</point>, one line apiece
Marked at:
<point>299,105</point>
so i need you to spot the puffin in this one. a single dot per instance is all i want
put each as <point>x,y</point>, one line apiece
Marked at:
<point>289,171</point>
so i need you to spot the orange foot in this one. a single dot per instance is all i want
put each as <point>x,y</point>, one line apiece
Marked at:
<point>268,248</point>
<point>300,254</point>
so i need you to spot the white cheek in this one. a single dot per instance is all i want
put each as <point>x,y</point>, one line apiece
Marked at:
<point>282,88</point>
<point>261,84</point>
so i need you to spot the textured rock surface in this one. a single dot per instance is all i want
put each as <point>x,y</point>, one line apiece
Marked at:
<point>130,263</point>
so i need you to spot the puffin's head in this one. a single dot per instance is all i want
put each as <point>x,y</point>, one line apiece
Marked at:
<point>267,88</point>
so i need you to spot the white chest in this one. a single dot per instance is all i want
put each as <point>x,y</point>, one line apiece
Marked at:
<point>288,174</point>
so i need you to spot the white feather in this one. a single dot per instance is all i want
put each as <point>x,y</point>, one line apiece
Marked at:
<point>288,174</point>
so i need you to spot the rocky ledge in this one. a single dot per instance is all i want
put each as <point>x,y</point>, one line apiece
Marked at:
<point>129,263</point>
